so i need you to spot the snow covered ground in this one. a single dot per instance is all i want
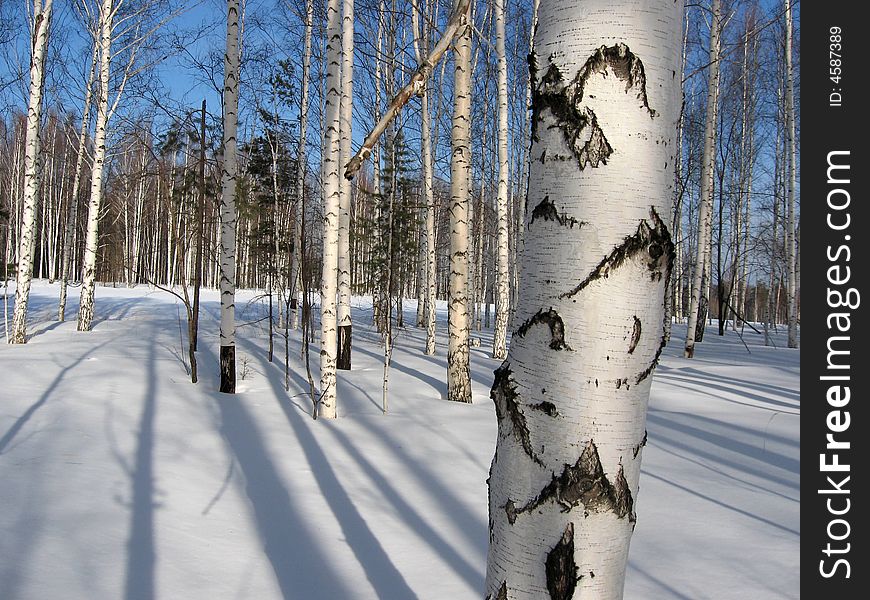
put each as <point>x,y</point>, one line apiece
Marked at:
<point>120,479</point>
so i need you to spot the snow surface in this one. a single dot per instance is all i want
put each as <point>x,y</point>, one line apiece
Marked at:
<point>121,479</point>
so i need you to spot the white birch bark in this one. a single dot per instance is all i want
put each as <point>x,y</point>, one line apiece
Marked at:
<point>502,278</point>
<point>701,275</point>
<point>571,397</point>
<point>331,208</point>
<point>421,49</point>
<point>790,238</point>
<point>345,325</point>
<point>32,169</point>
<point>301,157</point>
<point>458,369</point>
<point>228,213</point>
<point>86,298</point>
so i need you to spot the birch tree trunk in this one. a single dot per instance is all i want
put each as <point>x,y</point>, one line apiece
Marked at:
<point>301,164</point>
<point>345,325</point>
<point>86,298</point>
<point>502,280</point>
<point>421,49</point>
<point>228,212</point>
<point>708,166</point>
<point>32,169</point>
<point>572,395</point>
<point>790,238</point>
<point>458,369</point>
<point>331,209</point>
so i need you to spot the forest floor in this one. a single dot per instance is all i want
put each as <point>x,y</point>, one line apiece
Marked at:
<point>121,479</point>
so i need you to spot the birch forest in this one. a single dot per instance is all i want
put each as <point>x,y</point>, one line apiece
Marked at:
<point>388,298</point>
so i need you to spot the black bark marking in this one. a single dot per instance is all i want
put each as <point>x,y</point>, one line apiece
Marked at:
<point>579,125</point>
<point>654,243</point>
<point>560,567</point>
<point>655,361</point>
<point>623,63</point>
<point>623,503</point>
<point>642,443</point>
<point>551,319</point>
<point>502,593</point>
<point>504,396</point>
<point>585,483</point>
<point>547,211</point>
<point>546,407</point>
<point>635,335</point>
<point>510,510</point>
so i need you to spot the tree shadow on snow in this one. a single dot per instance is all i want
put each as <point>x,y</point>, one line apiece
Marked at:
<point>141,556</point>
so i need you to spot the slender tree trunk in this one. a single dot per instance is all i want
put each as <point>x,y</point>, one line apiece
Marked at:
<point>301,157</point>
<point>32,169</point>
<point>572,395</point>
<point>708,167</point>
<point>86,301</point>
<point>458,368</point>
<point>228,212</point>
<point>331,209</point>
<point>502,300</point>
<point>790,239</point>
<point>421,48</point>
<point>345,324</point>
<point>200,218</point>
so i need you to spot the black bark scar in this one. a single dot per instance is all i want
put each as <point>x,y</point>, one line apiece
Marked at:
<point>623,63</point>
<point>653,242</point>
<point>579,124</point>
<point>635,335</point>
<point>502,593</point>
<point>560,567</point>
<point>547,211</point>
<point>636,450</point>
<point>585,483</point>
<point>507,409</point>
<point>551,319</point>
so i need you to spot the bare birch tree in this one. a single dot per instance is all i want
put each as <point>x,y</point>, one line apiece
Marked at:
<point>791,229</point>
<point>701,276</point>
<point>502,281</point>
<point>228,213</point>
<point>345,324</point>
<point>571,397</point>
<point>331,208</point>
<point>458,368</point>
<point>32,168</point>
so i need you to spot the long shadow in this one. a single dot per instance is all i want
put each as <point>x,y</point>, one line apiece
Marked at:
<point>761,387</point>
<point>467,523</point>
<point>383,575</point>
<point>141,558</point>
<point>22,420</point>
<point>300,565</point>
<point>438,385</point>
<point>720,503</point>
<point>673,592</point>
<point>473,577</point>
<point>701,387</point>
<point>704,431</point>
<point>675,441</point>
